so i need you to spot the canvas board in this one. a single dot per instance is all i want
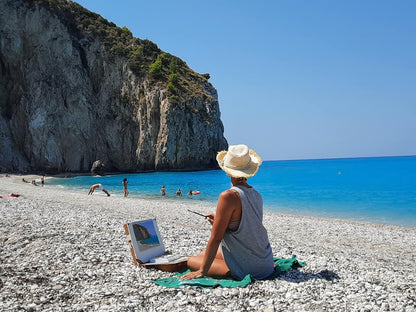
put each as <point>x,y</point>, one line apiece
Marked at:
<point>147,243</point>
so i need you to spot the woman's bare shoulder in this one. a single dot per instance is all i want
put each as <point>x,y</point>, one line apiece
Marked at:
<point>229,195</point>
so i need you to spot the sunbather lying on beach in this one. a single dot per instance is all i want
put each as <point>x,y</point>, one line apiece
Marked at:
<point>237,226</point>
<point>94,186</point>
<point>12,195</point>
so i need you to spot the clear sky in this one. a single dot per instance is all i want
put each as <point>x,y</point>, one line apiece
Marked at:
<point>295,79</point>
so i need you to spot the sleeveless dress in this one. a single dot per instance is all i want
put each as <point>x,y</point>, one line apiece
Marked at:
<point>247,250</point>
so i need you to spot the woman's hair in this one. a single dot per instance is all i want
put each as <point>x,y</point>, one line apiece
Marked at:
<point>125,179</point>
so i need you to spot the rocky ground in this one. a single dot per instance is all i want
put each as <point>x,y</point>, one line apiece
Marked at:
<point>62,250</point>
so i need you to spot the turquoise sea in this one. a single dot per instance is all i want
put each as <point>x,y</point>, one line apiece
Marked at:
<point>376,190</point>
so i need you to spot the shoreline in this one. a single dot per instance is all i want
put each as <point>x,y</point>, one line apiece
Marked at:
<point>273,209</point>
<point>17,179</point>
<point>64,250</point>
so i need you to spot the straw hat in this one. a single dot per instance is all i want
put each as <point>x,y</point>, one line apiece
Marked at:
<point>239,161</point>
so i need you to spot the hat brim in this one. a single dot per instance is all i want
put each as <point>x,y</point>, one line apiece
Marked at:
<point>248,171</point>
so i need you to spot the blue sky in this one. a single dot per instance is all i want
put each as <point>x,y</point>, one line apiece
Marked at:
<point>295,79</point>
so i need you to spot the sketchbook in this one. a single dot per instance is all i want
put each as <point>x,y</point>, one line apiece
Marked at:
<point>147,248</point>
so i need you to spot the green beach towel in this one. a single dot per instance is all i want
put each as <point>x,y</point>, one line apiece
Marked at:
<point>282,265</point>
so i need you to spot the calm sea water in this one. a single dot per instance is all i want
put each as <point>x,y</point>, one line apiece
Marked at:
<point>377,190</point>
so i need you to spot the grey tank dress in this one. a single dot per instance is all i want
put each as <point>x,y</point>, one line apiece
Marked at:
<point>247,250</point>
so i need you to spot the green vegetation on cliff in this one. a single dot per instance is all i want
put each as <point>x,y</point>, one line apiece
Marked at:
<point>143,56</point>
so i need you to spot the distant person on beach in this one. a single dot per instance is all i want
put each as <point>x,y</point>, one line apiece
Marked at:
<point>163,191</point>
<point>99,185</point>
<point>239,243</point>
<point>42,180</point>
<point>179,192</point>
<point>126,192</point>
<point>190,192</point>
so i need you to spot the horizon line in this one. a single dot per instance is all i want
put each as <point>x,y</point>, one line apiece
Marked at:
<point>337,158</point>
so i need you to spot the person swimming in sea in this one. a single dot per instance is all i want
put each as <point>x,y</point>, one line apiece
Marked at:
<point>163,190</point>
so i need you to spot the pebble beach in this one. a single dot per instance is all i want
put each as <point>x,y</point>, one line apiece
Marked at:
<point>62,250</point>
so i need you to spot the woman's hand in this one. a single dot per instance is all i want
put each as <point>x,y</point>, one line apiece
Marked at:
<point>210,217</point>
<point>192,275</point>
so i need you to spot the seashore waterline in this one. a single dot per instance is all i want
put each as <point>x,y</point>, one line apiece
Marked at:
<point>376,190</point>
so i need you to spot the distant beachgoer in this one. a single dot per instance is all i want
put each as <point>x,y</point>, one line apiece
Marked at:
<point>179,192</point>
<point>34,182</point>
<point>163,191</point>
<point>12,195</point>
<point>94,186</point>
<point>126,192</point>
<point>190,192</point>
<point>42,180</point>
<point>239,244</point>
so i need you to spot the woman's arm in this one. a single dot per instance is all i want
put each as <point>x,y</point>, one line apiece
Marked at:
<point>228,202</point>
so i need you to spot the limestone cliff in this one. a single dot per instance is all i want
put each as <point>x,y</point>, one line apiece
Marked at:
<point>75,88</point>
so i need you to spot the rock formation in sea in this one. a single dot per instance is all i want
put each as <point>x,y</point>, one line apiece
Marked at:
<point>75,88</point>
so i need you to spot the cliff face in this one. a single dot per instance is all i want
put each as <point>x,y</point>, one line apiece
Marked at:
<point>68,98</point>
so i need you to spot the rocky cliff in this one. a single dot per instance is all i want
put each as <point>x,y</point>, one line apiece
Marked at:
<point>75,88</point>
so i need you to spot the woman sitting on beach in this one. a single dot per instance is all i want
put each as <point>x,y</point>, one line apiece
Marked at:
<point>237,226</point>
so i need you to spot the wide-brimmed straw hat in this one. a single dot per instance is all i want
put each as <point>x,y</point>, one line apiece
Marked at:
<point>239,161</point>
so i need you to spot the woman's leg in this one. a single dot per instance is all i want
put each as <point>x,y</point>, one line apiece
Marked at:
<point>218,267</point>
